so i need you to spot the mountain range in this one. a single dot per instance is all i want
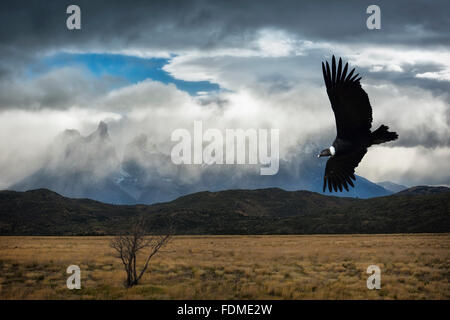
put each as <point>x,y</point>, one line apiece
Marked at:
<point>391,186</point>
<point>80,166</point>
<point>261,211</point>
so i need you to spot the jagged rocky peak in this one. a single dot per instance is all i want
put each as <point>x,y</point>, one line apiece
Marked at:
<point>71,133</point>
<point>102,128</point>
<point>100,133</point>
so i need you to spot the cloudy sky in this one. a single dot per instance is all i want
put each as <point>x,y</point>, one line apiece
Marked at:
<point>149,67</point>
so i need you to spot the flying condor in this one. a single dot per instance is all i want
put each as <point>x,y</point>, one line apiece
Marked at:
<point>353,115</point>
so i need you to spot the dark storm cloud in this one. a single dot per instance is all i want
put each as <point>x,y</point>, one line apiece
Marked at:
<point>172,25</point>
<point>426,137</point>
<point>29,29</point>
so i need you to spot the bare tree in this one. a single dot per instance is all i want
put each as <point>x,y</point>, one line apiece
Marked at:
<point>128,244</point>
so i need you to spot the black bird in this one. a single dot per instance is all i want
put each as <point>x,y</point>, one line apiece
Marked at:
<point>353,115</point>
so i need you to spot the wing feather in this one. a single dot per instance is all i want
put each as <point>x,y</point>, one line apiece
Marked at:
<point>350,103</point>
<point>339,70</point>
<point>349,75</point>
<point>344,73</point>
<point>333,68</point>
<point>339,170</point>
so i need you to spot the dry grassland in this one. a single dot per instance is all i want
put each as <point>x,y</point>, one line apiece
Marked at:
<point>233,267</point>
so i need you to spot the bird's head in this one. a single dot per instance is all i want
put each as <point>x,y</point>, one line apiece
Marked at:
<point>327,152</point>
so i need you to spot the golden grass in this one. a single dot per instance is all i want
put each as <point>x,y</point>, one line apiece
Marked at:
<point>233,267</point>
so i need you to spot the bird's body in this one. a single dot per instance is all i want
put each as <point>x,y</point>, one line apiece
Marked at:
<point>343,147</point>
<point>353,114</point>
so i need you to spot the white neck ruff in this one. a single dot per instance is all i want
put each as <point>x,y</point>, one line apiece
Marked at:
<point>332,150</point>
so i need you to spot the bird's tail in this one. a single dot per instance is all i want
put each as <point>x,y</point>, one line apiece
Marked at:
<point>383,135</point>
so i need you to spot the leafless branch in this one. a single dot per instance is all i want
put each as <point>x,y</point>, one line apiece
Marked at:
<point>129,243</point>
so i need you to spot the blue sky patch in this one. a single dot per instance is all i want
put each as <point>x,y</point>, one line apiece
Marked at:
<point>131,69</point>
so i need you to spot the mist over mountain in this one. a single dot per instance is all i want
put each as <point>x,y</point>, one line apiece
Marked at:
<point>89,167</point>
<point>80,167</point>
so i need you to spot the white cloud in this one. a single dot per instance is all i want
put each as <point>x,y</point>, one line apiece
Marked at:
<point>275,43</point>
<point>395,58</point>
<point>443,75</point>
<point>271,51</point>
<point>59,88</point>
<point>409,166</point>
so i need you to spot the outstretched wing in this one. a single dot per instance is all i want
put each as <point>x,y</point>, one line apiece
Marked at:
<point>349,101</point>
<point>340,170</point>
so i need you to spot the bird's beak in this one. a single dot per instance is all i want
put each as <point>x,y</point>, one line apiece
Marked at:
<point>324,153</point>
